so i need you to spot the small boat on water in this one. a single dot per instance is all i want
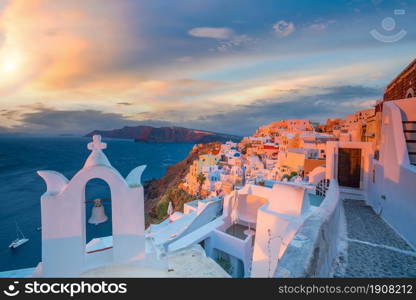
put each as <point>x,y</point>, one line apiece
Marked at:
<point>20,239</point>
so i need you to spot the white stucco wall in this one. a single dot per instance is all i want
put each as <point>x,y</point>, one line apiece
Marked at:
<point>238,248</point>
<point>272,231</point>
<point>392,193</point>
<point>277,223</point>
<point>317,175</point>
<point>316,242</point>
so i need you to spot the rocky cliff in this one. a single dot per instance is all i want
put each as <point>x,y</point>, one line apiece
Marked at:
<point>165,135</point>
<point>167,186</point>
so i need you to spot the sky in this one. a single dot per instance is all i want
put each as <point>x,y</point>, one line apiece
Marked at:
<point>230,66</point>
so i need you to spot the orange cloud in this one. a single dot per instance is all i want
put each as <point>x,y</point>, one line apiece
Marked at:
<point>61,44</point>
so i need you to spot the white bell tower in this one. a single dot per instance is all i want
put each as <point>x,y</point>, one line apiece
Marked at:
<point>63,217</point>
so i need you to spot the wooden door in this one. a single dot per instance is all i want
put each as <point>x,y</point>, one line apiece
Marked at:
<point>349,167</point>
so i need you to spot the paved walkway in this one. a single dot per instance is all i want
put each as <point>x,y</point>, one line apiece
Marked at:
<point>373,248</point>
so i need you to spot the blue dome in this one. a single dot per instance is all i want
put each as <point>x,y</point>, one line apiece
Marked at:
<point>237,155</point>
<point>233,148</point>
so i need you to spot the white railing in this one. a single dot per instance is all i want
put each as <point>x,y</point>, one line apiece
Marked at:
<point>313,250</point>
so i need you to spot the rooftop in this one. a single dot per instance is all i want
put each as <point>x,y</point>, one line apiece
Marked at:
<point>394,81</point>
<point>186,263</point>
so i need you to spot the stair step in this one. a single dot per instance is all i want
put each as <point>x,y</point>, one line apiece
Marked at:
<point>409,126</point>
<point>409,131</point>
<point>409,122</point>
<point>412,153</point>
<point>351,193</point>
<point>409,136</point>
<point>351,196</point>
<point>411,145</point>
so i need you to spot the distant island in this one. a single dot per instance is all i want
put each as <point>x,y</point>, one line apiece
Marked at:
<point>165,135</point>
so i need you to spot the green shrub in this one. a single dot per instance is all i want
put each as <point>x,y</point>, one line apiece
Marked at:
<point>178,197</point>
<point>162,209</point>
<point>293,174</point>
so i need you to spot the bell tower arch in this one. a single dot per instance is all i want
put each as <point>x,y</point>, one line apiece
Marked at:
<point>63,215</point>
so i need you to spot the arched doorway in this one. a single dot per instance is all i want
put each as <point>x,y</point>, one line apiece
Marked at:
<point>97,189</point>
<point>410,93</point>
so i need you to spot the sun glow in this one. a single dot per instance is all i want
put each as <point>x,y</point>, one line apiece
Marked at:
<point>10,63</point>
<point>9,66</point>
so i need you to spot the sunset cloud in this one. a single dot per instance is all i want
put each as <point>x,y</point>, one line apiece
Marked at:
<point>335,101</point>
<point>60,44</point>
<point>212,33</point>
<point>318,26</point>
<point>202,65</point>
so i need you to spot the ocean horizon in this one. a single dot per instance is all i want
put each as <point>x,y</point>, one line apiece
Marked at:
<point>21,187</point>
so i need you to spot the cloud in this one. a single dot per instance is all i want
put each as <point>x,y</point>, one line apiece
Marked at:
<point>228,39</point>
<point>345,92</point>
<point>219,33</point>
<point>54,45</point>
<point>245,119</point>
<point>51,121</point>
<point>237,41</point>
<point>318,27</point>
<point>321,24</point>
<point>283,28</point>
<point>241,119</point>
<point>84,56</point>
<point>170,90</point>
<point>184,59</point>
<point>9,114</point>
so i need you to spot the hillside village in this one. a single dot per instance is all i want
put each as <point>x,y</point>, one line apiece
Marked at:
<point>289,150</point>
<point>370,154</point>
<point>295,199</point>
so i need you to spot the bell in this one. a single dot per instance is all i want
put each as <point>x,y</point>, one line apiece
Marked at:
<point>98,213</point>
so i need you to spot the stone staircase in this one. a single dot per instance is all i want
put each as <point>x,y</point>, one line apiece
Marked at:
<point>409,130</point>
<point>351,193</point>
<point>372,247</point>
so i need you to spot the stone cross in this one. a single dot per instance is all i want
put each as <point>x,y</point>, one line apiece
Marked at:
<point>96,144</point>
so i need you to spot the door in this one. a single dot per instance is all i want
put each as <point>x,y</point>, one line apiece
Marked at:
<point>349,167</point>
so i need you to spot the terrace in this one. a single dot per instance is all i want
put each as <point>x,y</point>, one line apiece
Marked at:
<point>238,230</point>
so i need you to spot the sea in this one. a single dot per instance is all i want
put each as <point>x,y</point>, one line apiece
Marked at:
<point>21,187</point>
